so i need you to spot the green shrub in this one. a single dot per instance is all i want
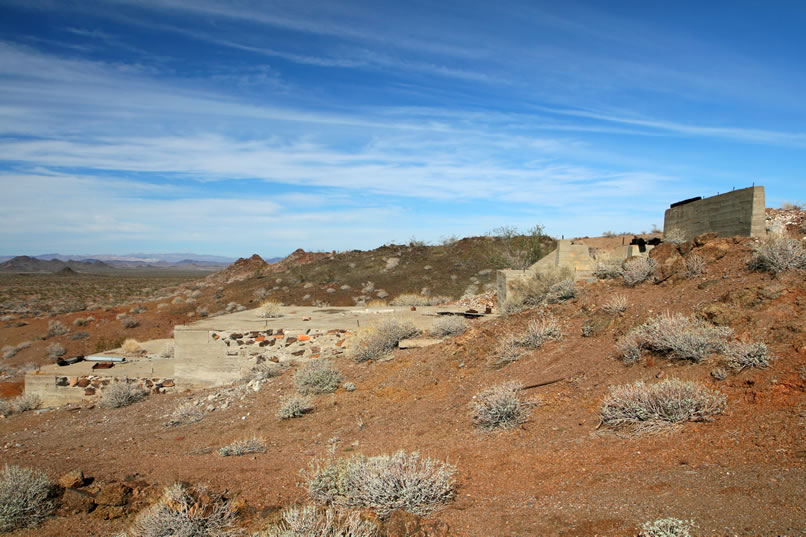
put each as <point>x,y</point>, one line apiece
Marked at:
<point>317,376</point>
<point>645,407</point>
<point>25,497</point>
<point>500,407</point>
<point>383,483</point>
<point>380,339</point>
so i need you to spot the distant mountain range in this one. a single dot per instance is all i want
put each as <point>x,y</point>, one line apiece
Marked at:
<point>48,263</point>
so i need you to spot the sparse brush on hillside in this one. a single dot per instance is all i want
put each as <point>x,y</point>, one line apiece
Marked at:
<point>675,236</point>
<point>539,331</point>
<point>695,265</point>
<point>411,299</point>
<point>645,408</point>
<point>6,407</point>
<point>778,253</point>
<point>130,323</point>
<point>57,328</point>
<point>539,288</point>
<point>500,407</point>
<point>448,325</point>
<point>676,336</point>
<point>667,527</point>
<point>607,271</point>
<point>26,402</point>
<point>243,447</point>
<point>131,346</point>
<point>509,248</point>
<point>383,484</point>
<point>270,309</point>
<point>184,414</point>
<point>312,522</point>
<point>506,353</point>
<point>294,406</point>
<point>55,350</point>
<point>615,304</point>
<point>636,270</point>
<point>317,376</point>
<point>744,355</point>
<point>186,512</point>
<point>120,394</point>
<point>380,339</point>
<point>25,497</point>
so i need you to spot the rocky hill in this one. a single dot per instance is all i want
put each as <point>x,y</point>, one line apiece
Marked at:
<point>564,466</point>
<point>26,264</point>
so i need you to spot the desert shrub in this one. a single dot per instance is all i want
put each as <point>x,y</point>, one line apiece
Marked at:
<point>778,253</point>
<point>638,269</point>
<point>138,309</point>
<point>607,271</point>
<point>719,373</point>
<point>6,407</point>
<point>645,407</point>
<point>499,407</point>
<point>79,335</point>
<point>539,331</point>
<point>266,370</point>
<point>317,376</point>
<point>666,527</point>
<point>131,323</point>
<point>167,351</point>
<point>615,304</point>
<point>55,350</point>
<point>675,236</point>
<point>294,406</point>
<point>561,291</point>
<point>177,300</point>
<point>534,290</point>
<point>507,247</point>
<point>25,497</point>
<point>120,394</point>
<point>349,386</point>
<point>383,483</point>
<point>312,522</point>
<point>131,346</point>
<point>744,355</point>
<point>121,316</point>
<point>695,265</point>
<point>271,309</point>
<point>412,299</point>
<point>674,335</point>
<point>793,206</point>
<point>381,338</point>
<point>57,328</point>
<point>243,447</point>
<point>448,325</point>
<point>184,414</point>
<point>184,512</point>
<point>506,353</point>
<point>79,322</point>
<point>9,351</point>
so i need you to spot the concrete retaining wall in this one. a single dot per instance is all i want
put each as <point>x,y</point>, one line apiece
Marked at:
<point>740,212</point>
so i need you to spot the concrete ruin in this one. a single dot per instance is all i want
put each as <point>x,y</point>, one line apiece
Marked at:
<point>739,212</point>
<point>220,351</point>
<point>573,256</point>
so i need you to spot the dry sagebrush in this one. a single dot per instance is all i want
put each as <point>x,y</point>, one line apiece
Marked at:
<point>270,309</point>
<point>539,331</point>
<point>778,253</point>
<point>744,355</point>
<point>676,336</point>
<point>295,406</point>
<point>615,304</point>
<point>641,407</point>
<point>243,447</point>
<point>312,522</point>
<point>384,483</point>
<point>25,497</point>
<point>411,299</point>
<point>448,325</point>
<point>120,394</point>
<point>500,407</point>
<point>380,339</point>
<point>317,376</point>
<point>636,270</point>
<point>184,512</point>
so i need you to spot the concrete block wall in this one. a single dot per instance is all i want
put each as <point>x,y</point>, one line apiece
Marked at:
<point>740,212</point>
<point>55,389</point>
<point>201,361</point>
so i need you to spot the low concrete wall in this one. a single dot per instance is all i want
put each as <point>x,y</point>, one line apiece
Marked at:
<point>740,212</point>
<point>55,389</point>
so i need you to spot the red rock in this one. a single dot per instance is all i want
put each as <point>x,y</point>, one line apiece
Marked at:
<point>75,502</point>
<point>339,343</point>
<point>89,391</point>
<point>113,494</point>
<point>167,383</point>
<point>290,340</point>
<point>260,338</point>
<point>303,337</point>
<point>83,383</point>
<point>72,479</point>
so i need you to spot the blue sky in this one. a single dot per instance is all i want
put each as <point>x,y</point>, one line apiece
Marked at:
<point>238,127</point>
